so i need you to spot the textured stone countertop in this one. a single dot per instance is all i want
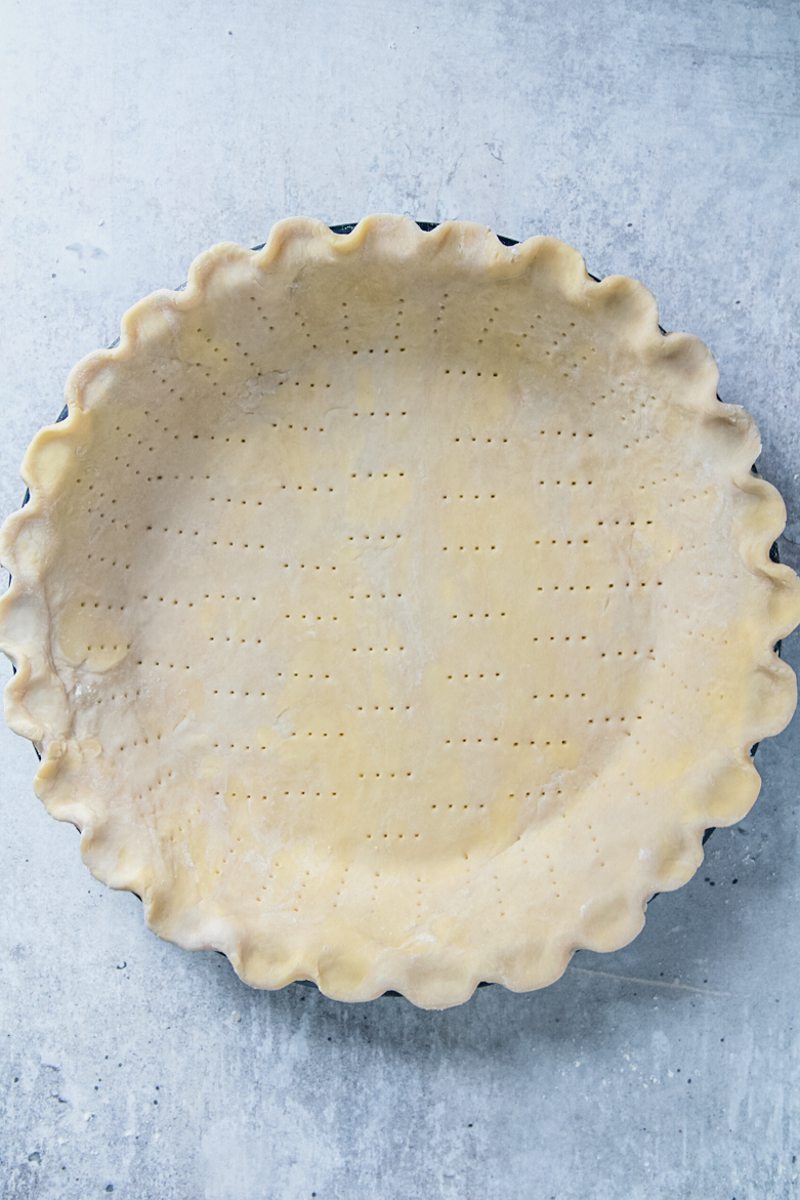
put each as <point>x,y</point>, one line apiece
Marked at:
<point>662,140</point>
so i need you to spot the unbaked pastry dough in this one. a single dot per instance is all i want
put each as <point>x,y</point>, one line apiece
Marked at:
<point>395,610</point>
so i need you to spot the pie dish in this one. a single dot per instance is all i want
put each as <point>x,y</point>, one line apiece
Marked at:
<point>394,610</point>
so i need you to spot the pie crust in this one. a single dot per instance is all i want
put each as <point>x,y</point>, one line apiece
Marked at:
<point>395,610</point>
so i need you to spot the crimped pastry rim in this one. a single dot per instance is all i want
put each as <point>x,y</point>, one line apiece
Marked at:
<point>754,547</point>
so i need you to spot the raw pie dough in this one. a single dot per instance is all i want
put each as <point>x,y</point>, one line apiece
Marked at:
<point>395,610</point>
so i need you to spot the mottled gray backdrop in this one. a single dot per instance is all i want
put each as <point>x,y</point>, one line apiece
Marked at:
<point>661,139</point>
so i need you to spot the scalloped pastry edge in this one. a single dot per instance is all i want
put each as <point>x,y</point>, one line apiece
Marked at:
<point>37,706</point>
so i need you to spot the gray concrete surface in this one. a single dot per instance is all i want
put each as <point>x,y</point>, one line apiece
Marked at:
<point>662,139</point>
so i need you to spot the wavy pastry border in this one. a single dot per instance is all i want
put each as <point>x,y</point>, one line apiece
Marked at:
<point>37,705</point>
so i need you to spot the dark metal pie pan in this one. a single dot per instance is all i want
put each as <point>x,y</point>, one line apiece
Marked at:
<point>427,226</point>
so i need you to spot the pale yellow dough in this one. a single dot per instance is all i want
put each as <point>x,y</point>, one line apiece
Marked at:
<point>395,610</point>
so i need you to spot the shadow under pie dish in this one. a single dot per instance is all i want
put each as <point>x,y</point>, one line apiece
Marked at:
<point>394,610</point>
